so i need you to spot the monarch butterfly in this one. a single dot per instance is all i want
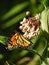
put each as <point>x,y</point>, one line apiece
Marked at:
<point>17,41</point>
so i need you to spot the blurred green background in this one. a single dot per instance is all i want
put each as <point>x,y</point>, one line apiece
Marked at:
<point>11,13</point>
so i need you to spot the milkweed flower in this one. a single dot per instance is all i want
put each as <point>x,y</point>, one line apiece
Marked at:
<point>30,27</point>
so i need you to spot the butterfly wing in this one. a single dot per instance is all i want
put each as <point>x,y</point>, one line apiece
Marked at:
<point>17,41</point>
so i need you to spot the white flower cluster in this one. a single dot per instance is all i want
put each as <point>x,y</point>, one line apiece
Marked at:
<point>30,26</point>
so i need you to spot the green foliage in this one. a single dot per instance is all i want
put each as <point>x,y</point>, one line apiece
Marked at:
<point>44,20</point>
<point>12,12</point>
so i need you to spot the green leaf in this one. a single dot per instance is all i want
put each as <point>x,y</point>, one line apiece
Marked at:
<point>43,63</point>
<point>48,19</point>
<point>16,9</point>
<point>1,56</point>
<point>3,39</point>
<point>13,21</point>
<point>48,60</point>
<point>34,39</point>
<point>44,20</point>
<point>45,23</point>
<point>40,47</point>
<point>6,63</point>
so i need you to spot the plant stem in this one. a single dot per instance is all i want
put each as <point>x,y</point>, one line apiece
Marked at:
<point>34,51</point>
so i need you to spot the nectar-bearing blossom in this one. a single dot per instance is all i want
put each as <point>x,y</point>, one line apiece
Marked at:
<point>30,27</point>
